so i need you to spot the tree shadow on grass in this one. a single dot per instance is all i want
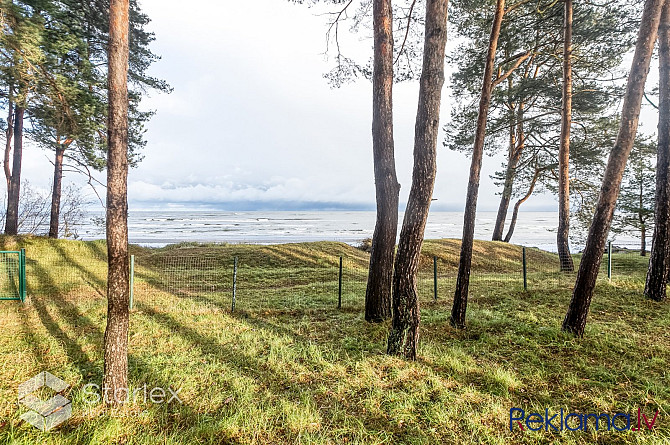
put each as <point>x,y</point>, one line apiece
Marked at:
<point>97,284</point>
<point>96,249</point>
<point>273,299</point>
<point>181,416</point>
<point>70,314</point>
<point>278,377</point>
<point>248,316</point>
<point>29,334</point>
<point>241,361</point>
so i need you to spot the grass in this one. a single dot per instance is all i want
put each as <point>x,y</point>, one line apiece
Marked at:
<point>289,367</point>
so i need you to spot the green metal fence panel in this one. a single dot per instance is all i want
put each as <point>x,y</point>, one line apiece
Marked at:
<point>13,275</point>
<point>22,276</point>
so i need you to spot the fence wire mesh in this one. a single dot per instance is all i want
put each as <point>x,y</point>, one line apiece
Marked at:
<point>629,265</point>
<point>298,277</point>
<point>10,275</point>
<point>80,270</point>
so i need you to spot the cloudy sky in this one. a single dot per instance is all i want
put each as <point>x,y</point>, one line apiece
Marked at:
<point>253,124</point>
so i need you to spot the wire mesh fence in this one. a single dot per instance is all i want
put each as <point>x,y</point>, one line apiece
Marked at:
<point>299,277</point>
<point>12,275</point>
<point>628,265</point>
<point>621,265</point>
<point>77,271</point>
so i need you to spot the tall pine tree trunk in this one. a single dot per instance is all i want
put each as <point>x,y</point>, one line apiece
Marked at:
<point>380,276</point>
<point>562,236</point>
<point>14,190</point>
<point>575,319</point>
<point>404,336</point>
<point>115,380</point>
<point>510,176</point>
<point>640,215</point>
<point>506,196</point>
<point>659,262</point>
<point>57,191</point>
<point>9,134</point>
<point>463,280</point>
<point>515,213</point>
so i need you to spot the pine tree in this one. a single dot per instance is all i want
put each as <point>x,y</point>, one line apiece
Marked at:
<point>635,206</point>
<point>563,233</point>
<point>65,53</point>
<point>404,336</point>
<point>380,272</point>
<point>20,62</point>
<point>575,319</point>
<point>659,263</point>
<point>115,380</point>
<point>525,117</point>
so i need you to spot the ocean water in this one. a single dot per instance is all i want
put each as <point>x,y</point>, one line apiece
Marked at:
<point>158,228</point>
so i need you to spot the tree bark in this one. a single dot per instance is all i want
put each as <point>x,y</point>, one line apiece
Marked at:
<point>575,319</point>
<point>9,134</point>
<point>563,233</point>
<point>404,336</point>
<point>380,275</point>
<point>515,213</point>
<point>56,192</point>
<point>506,196</point>
<point>14,190</point>
<point>115,380</point>
<point>510,176</point>
<point>640,215</point>
<point>502,208</point>
<point>659,262</point>
<point>465,262</point>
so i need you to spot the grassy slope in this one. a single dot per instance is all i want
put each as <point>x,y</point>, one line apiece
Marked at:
<point>320,375</point>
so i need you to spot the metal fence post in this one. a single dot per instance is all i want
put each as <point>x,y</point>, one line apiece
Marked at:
<point>232,308</point>
<point>609,260</point>
<point>132,280</point>
<point>22,275</point>
<point>339,291</point>
<point>525,271</point>
<point>435,278</point>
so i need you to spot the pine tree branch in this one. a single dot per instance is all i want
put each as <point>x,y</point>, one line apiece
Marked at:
<point>409,21</point>
<point>521,58</point>
<point>650,102</point>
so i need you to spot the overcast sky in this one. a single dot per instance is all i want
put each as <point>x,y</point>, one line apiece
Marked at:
<point>252,123</point>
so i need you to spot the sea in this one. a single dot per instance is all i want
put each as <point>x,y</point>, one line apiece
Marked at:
<point>159,228</point>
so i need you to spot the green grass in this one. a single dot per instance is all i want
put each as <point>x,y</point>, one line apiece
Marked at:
<point>289,367</point>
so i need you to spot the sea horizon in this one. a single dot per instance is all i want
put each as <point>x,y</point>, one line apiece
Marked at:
<point>157,228</point>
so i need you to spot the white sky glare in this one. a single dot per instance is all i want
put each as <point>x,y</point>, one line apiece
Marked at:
<point>252,123</point>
